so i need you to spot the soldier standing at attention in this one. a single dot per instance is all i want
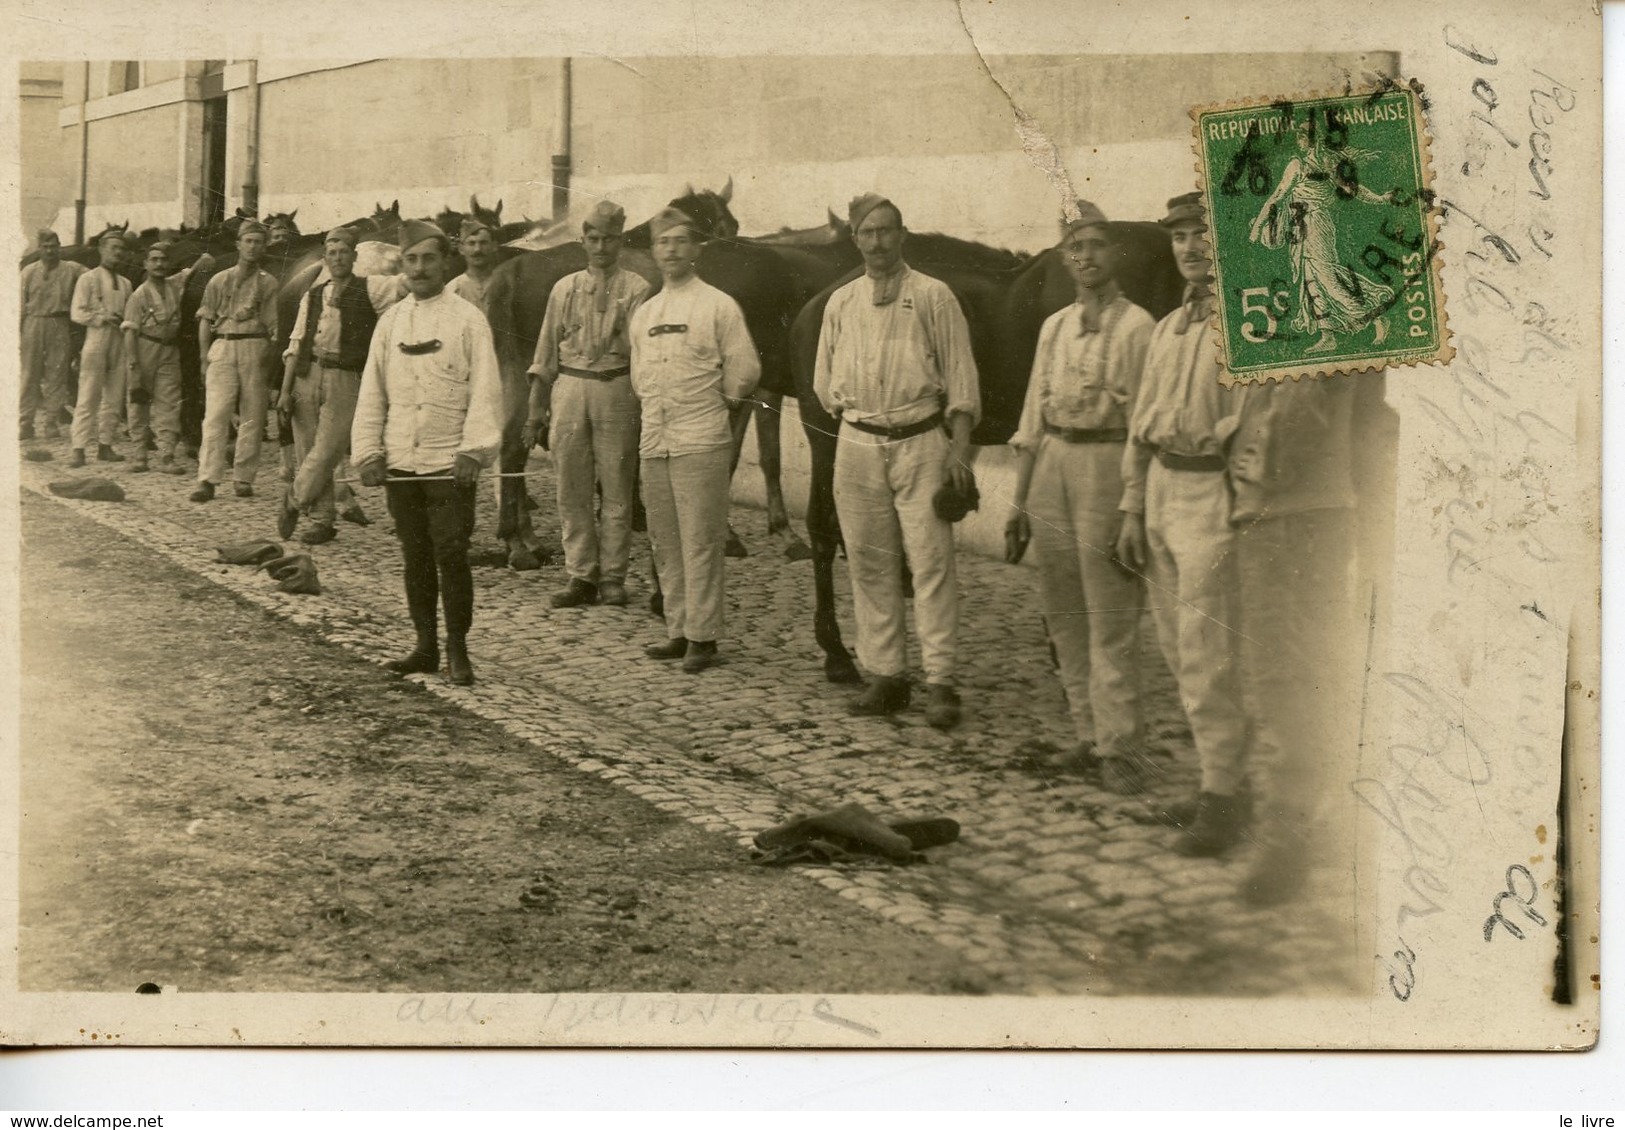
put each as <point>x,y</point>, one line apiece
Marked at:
<point>152,328</point>
<point>99,298</point>
<point>581,378</point>
<point>428,417</point>
<point>321,379</point>
<point>47,298</point>
<point>691,357</point>
<point>1176,528</point>
<point>1074,425</point>
<point>237,329</point>
<point>895,366</point>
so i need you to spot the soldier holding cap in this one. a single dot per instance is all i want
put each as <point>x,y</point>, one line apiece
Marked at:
<point>895,365</point>
<point>237,326</point>
<point>1176,528</point>
<point>428,417</point>
<point>691,357</point>
<point>47,342</point>
<point>1074,424</point>
<point>581,378</point>
<point>99,298</point>
<point>152,328</point>
<point>321,379</point>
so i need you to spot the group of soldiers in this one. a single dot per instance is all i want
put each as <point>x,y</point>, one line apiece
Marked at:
<point>1144,482</point>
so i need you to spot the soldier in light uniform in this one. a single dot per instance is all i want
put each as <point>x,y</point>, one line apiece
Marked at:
<point>581,377</point>
<point>1292,462</point>
<point>99,298</point>
<point>152,329</point>
<point>321,379</point>
<point>237,331</point>
<point>692,357</point>
<point>428,417</point>
<point>895,365</point>
<point>47,286</point>
<point>1074,426</point>
<point>1176,529</point>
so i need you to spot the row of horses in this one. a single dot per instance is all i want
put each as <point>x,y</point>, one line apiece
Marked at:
<point>781,282</point>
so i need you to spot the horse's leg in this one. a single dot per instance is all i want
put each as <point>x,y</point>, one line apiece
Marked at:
<point>513,518</point>
<point>823,527</point>
<point>738,424</point>
<point>769,413</point>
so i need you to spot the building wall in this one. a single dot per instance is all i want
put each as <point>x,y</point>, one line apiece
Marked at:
<point>132,163</point>
<point>798,135</point>
<point>426,132</point>
<point>45,174</point>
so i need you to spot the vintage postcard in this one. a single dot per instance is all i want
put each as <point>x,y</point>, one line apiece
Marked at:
<point>930,525</point>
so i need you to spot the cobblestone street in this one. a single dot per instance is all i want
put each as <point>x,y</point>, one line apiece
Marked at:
<point>1054,887</point>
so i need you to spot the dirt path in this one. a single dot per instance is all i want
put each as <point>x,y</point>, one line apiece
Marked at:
<point>217,800</point>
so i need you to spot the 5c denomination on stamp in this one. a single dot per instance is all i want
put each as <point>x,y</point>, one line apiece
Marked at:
<point>1323,223</point>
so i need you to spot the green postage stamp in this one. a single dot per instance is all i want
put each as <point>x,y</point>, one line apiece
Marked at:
<point>1323,224</point>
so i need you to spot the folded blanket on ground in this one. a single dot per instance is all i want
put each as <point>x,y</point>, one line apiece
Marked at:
<point>90,489</point>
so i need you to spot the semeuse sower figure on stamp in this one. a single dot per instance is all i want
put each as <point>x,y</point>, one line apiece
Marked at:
<point>1333,298</point>
<point>894,365</point>
<point>428,417</point>
<point>1069,482</point>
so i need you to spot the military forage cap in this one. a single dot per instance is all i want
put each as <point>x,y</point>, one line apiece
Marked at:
<point>342,235</point>
<point>1184,209</point>
<point>861,206</point>
<point>253,227</point>
<point>46,235</point>
<point>414,232</point>
<point>473,225</point>
<point>668,218</point>
<point>1089,216</point>
<point>606,217</point>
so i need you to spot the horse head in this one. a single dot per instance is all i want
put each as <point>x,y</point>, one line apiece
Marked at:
<point>282,227</point>
<point>390,215</point>
<point>491,217</point>
<point>710,210</point>
<point>450,221</point>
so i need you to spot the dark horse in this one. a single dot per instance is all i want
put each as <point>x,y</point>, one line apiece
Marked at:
<point>1005,300</point>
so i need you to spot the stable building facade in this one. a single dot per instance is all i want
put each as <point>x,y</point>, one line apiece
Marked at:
<point>159,143</point>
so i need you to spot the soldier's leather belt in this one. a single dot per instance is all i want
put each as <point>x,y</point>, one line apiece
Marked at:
<point>907,431</point>
<point>1176,462</point>
<point>594,374</point>
<point>334,361</point>
<point>242,337</point>
<point>58,314</point>
<point>170,340</point>
<point>1088,435</point>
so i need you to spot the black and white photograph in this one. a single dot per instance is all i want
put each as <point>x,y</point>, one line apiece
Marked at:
<point>699,531</point>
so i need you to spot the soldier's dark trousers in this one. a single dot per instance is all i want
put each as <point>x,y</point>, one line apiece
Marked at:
<point>434,521</point>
